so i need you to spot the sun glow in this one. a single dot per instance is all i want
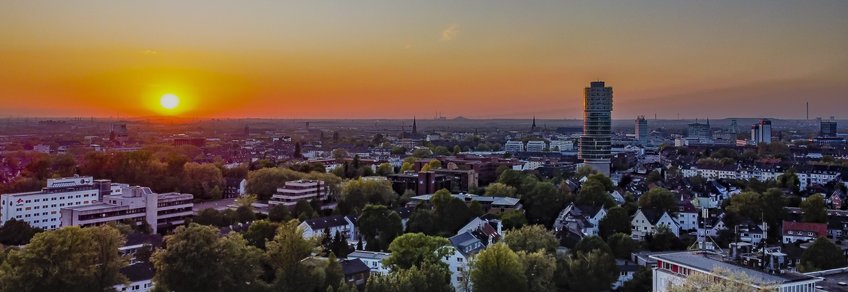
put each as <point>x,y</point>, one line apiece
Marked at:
<point>169,101</point>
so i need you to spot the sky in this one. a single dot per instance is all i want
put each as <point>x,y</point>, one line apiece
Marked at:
<point>397,59</point>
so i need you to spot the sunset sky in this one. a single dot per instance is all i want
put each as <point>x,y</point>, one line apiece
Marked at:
<point>396,59</point>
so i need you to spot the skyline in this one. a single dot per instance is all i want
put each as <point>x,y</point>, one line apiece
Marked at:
<point>379,59</point>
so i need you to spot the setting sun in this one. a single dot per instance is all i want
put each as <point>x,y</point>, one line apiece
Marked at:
<point>169,101</point>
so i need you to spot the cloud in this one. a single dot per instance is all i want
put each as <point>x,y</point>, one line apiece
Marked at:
<point>149,52</point>
<point>450,33</point>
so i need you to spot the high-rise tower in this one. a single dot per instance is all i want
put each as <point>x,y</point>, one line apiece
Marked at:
<point>595,143</point>
<point>642,130</point>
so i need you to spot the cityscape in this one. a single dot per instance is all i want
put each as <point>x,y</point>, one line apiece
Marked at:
<point>424,146</point>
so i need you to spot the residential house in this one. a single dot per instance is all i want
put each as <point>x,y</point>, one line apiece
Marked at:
<point>802,231</point>
<point>355,272</point>
<point>649,221</point>
<point>582,219</point>
<point>345,225</point>
<point>372,259</point>
<point>139,276</point>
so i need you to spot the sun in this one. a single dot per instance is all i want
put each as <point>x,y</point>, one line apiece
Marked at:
<point>169,101</point>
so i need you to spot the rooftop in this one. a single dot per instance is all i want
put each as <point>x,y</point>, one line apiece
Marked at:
<point>706,262</point>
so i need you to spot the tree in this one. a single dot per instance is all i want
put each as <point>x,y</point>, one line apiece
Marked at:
<point>422,220</point>
<point>511,178</point>
<point>265,181</point>
<point>15,232</point>
<point>593,271</point>
<point>245,214</point>
<point>658,199</point>
<point>500,190</point>
<point>355,194</point>
<point>428,277</point>
<point>303,210</point>
<point>591,243</point>
<point>539,269</point>
<point>412,249</point>
<point>594,193</point>
<point>718,280</point>
<point>513,219</point>
<point>200,179</point>
<point>379,225</point>
<point>196,258</point>
<point>67,259</point>
<point>475,209</point>
<point>774,211</point>
<point>385,169</point>
<point>543,203</point>
<point>285,256</point>
<point>497,268</point>
<point>279,213</point>
<point>642,281</point>
<point>531,238</point>
<point>622,245</point>
<point>654,177</point>
<point>209,216</point>
<point>748,205</point>
<point>822,255</point>
<point>617,220</point>
<point>260,232</point>
<point>814,209</point>
<point>789,180</point>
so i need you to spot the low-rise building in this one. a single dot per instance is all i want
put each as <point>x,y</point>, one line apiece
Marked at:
<point>673,269</point>
<point>372,259</point>
<point>138,205</point>
<point>802,231</point>
<point>344,225</point>
<point>300,190</point>
<point>41,209</point>
<point>648,222</point>
<point>490,204</point>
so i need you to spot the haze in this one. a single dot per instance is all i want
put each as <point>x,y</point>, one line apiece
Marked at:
<point>397,59</point>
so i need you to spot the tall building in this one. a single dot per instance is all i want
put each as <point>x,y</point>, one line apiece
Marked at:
<point>642,130</point>
<point>761,132</point>
<point>595,143</point>
<point>828,128</point>
<point>734,127</point>
<point>699,130</point>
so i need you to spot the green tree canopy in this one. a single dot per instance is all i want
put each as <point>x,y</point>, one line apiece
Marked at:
<point>593,271</point>
<point>531,238</point>
<point>822,255</point>
<point>622,245</point>
<point>379,226</point>
<point>617,220</point>
<point>539,269</point>
<point>814,209</point>
<point>497,268</point>
<point>543,203</point>
<point>500,190</point>
<point>411,249</point>
<point>660,199</point>
<point>196,258</point>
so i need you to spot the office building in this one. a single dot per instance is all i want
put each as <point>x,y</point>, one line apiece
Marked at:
<point>828,128</point>
<point>595,143</point>
<point>294,191</point>
<point>41,209</point>
<point>699,131</point>
<point>642,130</point>
<point>536,146</point>
<point>133,205</point>
<point>514,146</point>
<point>761,132</point>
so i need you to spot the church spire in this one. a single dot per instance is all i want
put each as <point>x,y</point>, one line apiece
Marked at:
<point>533,127</point>
<point>414,127</point>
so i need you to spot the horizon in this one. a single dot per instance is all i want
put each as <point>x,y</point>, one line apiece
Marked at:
<point>388,60</point>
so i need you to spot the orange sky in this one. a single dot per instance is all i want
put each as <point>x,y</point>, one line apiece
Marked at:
<point>392,59</point>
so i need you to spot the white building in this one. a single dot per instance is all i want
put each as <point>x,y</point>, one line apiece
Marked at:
<point>132,204</point>
<point>806,176</point>
<point>648,222</point>
<point>372,259</point>
<point>294,191</point>
<point>536,146</point>
<point>673,268</point>
<point>345,225</point>
<point>580,219</point>
<point>41,209</point>
<point>140,276</point>
<point>562,145</point>
<point>514,146</point>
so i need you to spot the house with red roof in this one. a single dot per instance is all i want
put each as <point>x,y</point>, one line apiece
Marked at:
<point>802,231</point>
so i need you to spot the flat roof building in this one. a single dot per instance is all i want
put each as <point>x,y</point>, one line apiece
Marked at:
<point>41,209</point>
<point>133,205</point>
<point>299,190</point>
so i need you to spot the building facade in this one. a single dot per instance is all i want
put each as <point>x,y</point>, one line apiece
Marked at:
<point>41,209</point>
<point>761,132</point>
<point>595,143</point>
<point>299,190</point>
<point>133,205</point>
<point>642,130</point>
